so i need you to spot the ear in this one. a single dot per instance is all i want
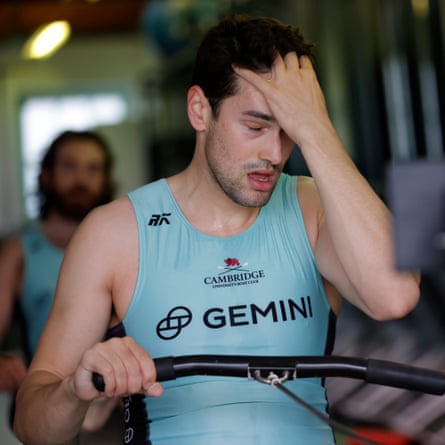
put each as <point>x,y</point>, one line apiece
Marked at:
<point>198,109</point>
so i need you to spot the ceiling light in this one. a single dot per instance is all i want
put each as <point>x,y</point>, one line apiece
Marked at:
<point>46,40</point>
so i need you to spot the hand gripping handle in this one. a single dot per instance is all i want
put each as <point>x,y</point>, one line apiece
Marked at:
<point>164,371</point>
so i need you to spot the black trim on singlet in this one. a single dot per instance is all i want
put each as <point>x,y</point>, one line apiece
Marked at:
<point>136,423</point>
<point>332,329</point>
<point>330,342</point>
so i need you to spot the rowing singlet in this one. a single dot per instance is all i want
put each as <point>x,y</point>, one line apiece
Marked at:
<point>255,293</point>
<point>42,262</point>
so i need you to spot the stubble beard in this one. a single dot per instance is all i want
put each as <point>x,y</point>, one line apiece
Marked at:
<point>231,184</point>
<point>234,190</point>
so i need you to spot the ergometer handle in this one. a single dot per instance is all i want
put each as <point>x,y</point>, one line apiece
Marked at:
<point>381,372</point>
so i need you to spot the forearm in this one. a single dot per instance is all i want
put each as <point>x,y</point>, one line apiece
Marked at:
<point>98,413</point>
<point>360,229</point>
<point>48,411</point>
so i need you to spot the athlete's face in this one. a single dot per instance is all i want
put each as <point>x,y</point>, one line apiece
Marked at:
<point>77,180</point>
<point>245,148</point>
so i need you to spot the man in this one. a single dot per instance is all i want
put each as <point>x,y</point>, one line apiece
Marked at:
<point>186,246</point>
<point>75,177</point>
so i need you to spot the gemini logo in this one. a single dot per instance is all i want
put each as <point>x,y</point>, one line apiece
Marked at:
<point>285,310</point>
<point>171,326</point>
<point>159,219</point>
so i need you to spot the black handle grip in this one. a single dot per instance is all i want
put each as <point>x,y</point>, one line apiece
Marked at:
<point>98,382</point>
<point>376,371</point>
<point>164,371</point>
<point>405,376</point>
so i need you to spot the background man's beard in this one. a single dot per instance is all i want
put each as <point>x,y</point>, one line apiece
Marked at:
<point>74,204</point>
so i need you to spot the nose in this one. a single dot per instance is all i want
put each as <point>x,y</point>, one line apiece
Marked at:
<point>272,151</point>
<point>81,174</point>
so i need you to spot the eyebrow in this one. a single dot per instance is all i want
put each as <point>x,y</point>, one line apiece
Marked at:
<point>259,115</point>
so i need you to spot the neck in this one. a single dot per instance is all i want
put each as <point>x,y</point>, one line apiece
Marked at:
<point>59,229</point>
<point>207,207</point>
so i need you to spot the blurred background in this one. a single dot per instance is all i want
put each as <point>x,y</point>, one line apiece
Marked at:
<point>124,70</point>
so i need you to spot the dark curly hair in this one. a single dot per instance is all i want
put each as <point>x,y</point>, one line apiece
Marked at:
<point>247,41</point>
<point>49,160</point>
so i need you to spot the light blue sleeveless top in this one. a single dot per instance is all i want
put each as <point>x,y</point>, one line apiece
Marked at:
<point>254,293</point>
<point>42,262</point>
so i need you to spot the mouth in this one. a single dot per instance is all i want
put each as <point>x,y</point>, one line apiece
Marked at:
<point>263,181</point>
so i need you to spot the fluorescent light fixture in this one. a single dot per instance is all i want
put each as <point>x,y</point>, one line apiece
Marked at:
<point>46,40</point>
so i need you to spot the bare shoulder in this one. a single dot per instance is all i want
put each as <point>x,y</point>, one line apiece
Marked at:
<point>306,187</point>
<point>119,211</point>
<point>311,207</point>
<point>106,234</point>
<point>107,226</point>
<point>105,249</point>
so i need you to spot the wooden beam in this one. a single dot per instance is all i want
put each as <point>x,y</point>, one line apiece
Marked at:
<point>24,17</point>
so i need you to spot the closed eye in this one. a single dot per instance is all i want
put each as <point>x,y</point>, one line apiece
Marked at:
<point>257,121</point>
<point>255,128</point>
